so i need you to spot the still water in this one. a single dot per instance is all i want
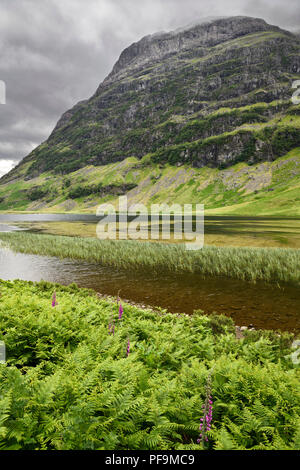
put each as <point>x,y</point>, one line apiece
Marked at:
<point>262,305</point>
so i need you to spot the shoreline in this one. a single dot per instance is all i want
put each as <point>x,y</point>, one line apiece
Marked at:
<point>239,329</point>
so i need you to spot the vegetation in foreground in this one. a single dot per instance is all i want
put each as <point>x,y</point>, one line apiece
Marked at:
<point>268,264</point>
<point>85,373</point>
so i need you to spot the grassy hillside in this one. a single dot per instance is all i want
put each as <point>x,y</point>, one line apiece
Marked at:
<point>267,188</point>
<point>79,377</point>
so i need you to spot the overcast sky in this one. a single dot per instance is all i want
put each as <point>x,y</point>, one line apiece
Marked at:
<point>56,52</point>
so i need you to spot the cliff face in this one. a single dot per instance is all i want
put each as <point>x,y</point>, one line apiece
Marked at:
<point>209,95</point>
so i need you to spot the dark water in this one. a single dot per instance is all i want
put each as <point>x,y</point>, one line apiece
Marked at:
<point>264,306</point>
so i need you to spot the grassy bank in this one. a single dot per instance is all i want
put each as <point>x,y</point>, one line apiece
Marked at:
<point>70,383</point>
<point>268,264</point>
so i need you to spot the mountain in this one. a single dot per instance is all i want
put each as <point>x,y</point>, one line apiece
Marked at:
<point>204,101</point>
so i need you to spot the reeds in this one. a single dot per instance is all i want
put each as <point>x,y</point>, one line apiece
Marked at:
<point>253,264</point>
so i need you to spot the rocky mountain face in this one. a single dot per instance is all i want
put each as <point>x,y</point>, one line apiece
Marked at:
<point>210,95</point>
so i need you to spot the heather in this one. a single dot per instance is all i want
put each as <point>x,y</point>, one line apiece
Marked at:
<point>84,372</point>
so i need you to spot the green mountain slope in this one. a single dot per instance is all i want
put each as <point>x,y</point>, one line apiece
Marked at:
<point>268,188</point>
<point>198,115</point>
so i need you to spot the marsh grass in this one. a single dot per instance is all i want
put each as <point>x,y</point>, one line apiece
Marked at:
<point>253,264</point>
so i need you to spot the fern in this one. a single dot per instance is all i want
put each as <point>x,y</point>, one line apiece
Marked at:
<point>69,385</point>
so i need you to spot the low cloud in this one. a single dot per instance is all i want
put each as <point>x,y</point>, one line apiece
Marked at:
<point>6,166</point>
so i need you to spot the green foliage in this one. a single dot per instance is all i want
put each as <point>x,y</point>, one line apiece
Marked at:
<point>66,183</point>
<point>248,151</point>
<point>69,167</point>
<point>285,139</point>
<point>198,150</point>
<point>68,384</point>
<point>246,155</point>
<point>294,110</point>
<point>213,125</point>
<point>220,324</point>
<point>37,193</point>
<point>80,191</point>
<point>193,130</point>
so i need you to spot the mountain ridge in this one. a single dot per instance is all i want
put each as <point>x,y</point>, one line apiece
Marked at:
<point>208,33</point>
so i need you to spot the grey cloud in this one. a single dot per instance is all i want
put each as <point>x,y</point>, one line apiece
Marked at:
<point>55,53</point>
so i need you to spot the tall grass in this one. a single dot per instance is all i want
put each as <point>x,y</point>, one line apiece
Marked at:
<point>268,264</point>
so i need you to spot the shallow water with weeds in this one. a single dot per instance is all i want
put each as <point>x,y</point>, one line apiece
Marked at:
<point>263,305</point>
